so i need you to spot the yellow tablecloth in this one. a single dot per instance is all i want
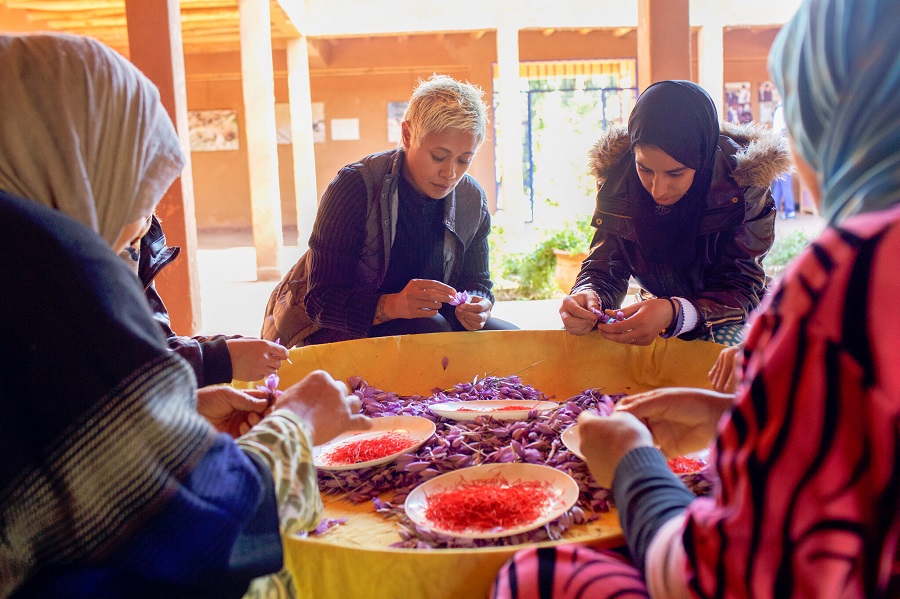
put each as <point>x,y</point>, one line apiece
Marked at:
<point>353,560</point>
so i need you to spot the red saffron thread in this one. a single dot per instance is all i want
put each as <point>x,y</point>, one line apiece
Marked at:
<point>683,465</point>
<point>488,504</point>
<point>366,450</point>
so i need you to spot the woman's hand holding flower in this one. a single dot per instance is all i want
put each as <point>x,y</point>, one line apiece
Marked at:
<point>474,313</point>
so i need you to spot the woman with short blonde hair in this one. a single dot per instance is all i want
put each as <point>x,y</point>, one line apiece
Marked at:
<point>400,242</point>
<point>442,102</point>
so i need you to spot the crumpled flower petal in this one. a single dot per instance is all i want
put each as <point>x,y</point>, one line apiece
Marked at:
<point>461,297</point>
<point>327,523</point>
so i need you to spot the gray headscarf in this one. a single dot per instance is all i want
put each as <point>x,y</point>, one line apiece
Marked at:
<point>82,130</point>
<point>837,65</point>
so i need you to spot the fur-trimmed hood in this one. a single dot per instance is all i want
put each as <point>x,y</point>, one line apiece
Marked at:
<point>764,158</point>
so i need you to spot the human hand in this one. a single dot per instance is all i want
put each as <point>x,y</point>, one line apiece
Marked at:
<point>642,323</point>
<point>726,372</point>
<point>253,359</point>
<point>474,313</point>
<point>421,298</point>
<point>576,312</point>
<point>606,439</point>
<point>230,410</point>
<point>324,404</point>
<point>681,419</point>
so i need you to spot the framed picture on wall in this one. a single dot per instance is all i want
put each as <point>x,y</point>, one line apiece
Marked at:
<point>769,98</point>
<point>213,130</point>
<point>395,112</point>
<point>737,102</point>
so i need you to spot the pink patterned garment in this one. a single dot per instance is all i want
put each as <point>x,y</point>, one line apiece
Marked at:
<point>568,572</point>
<point>809,460</point>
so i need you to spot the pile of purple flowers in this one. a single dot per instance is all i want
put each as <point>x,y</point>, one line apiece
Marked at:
<point>484,440</point>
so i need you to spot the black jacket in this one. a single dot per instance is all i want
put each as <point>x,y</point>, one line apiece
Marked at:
<point>312,296</point>
<point>208,356</point>
<point>726,281</point>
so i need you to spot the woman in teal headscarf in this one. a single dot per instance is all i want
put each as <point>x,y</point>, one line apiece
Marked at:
<point>806,501</point>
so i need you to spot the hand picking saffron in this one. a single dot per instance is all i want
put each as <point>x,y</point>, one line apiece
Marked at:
<point>683,465</point>
<point>270,388</point>
<point>461,297</point>
<point>366,450</point>
<point>488,504</point>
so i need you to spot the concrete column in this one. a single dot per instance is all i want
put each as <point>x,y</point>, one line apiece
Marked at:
<point>302,139</point>
<point>512,134</point>
<point>258,82</point>
<point>711,62</point>
<point>664,41</point>
<point>154,43</point>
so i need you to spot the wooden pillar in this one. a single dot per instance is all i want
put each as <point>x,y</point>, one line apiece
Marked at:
<point>512,135</point>
<point>302,139</point>
<point>258,82</point>
<point>154,42</point>
<point>711,62</point>
<point>664,41</point>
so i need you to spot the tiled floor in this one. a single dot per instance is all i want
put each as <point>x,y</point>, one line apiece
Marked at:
<point>232,302</point>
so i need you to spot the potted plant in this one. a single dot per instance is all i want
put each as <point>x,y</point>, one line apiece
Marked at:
<point>551,267</point>
<point>568,265</point>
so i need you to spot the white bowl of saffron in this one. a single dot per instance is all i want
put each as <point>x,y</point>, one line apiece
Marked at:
<point>690,468</point>
<point>389,438</point>
<point>492,501</point>
<point>499,409</point>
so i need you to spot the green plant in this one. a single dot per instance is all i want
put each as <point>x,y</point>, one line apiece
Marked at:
<point>531,273</point>
<point>786,248</point>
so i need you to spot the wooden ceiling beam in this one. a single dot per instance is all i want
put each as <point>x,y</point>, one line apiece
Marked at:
<point>203,21</point>
<point>281,22</point>
<point>204,4</point>
<point>65,5</point>
<point>119,20</point>
<point>91,5</point>
<point>319,51</point>
<point>44,15</point>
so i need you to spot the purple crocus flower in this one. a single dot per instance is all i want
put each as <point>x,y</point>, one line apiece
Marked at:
<point>461,297</point>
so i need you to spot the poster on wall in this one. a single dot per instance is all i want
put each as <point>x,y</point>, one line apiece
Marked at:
<point>213,130</point>
<point>395,112</point>
<point>318,122</point>
<point>283,123</point>
<point>769,99</point>
<point>344,129</point>
<point>737,102</point>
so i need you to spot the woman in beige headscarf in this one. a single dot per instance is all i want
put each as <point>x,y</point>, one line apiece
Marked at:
<point>56,151</point>
<point>111,484</point>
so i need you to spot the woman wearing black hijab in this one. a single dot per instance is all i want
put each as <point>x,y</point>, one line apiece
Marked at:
<point>687,211</point>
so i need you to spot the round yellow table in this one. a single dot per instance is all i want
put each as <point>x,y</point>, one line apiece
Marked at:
<point>353,560</point>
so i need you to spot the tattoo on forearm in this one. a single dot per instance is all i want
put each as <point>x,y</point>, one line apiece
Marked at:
<point>380,315</point>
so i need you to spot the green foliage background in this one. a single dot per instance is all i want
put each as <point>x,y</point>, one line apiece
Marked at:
<point>529,275</point>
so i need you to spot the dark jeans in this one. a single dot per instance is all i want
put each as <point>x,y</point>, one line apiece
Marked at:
<point>410,326</point>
